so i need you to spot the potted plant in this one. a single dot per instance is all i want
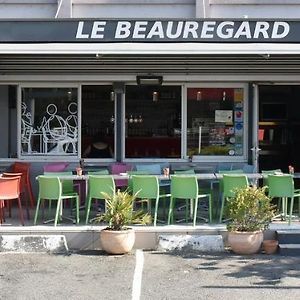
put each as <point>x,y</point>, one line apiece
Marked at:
<point>118,238</point>
<point>249,212</point>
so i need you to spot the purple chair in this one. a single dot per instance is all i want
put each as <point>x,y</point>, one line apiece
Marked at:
<point>118,168</point>
<point>56,167</point>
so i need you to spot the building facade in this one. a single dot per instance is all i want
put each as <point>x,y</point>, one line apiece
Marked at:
<point>174,81</point>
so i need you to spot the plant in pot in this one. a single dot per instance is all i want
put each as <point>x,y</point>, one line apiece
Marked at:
<point>250,212</point>
<point>118,238</point>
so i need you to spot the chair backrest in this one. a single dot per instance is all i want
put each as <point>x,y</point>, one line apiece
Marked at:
<point>147,186</point>
<point>189,171</point>
<point>153,169</point>
<point>67,184</point>
<point>184,187</point>
<point>118,168</point>
<point>55,167</point>
<point>50,187</point>
<point>21,175</point>
<point>248,168</point>
<point>99,184</point>
<point>232,182</point>
<point>99,172</point>
<point>236,171</point>
<point>280,185</point>
<point>265,174</point>
<point>24,168</point>
<point>130,173</point>
<point>9,188</point>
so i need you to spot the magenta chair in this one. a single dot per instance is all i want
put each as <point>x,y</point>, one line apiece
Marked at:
<point>118,168</point>
<point>56,167</point>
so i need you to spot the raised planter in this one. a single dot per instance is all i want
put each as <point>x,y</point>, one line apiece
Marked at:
<point>245,242</point>
<point>117,242</point>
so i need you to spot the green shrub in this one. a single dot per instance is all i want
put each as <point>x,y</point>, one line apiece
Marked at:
<point>249,210</point>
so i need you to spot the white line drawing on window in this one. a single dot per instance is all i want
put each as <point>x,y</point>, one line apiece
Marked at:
<point>58,134</point>
<point>27,129</point>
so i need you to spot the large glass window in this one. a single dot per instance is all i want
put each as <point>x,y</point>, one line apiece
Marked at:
<point>49,121</point>
<point>153,122</point>
<point>98,119</point>
<point>215,121</point>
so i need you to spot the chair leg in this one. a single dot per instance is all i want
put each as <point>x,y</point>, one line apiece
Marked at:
<point>58,209</point>
<point>291,210</point>
<point>210,208</point>
<point>20,211</point>
<point>37,210</point>
<point>195,212</point>
<point>155,211</point>
<point>77,209</point>
<point>222,209</point>
<point>171,211</point>
<point>88,208</point>
<point>30,193</point>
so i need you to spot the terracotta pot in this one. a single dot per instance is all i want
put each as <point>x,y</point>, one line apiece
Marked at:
<point>117,242</point>
<point>270,246</point>
<point>245,242</point>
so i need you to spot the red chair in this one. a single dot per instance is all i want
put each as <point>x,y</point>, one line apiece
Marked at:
<point>10,190</point>
<point>24,168</point>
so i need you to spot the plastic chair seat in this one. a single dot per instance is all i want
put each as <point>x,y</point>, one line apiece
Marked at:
<point>230,182</point>
<point>97,185</point>
<point>51,189</point>
<point>147,187</point>
<point>186,187</point>
<point>9,191</point>
<point>282,187</point>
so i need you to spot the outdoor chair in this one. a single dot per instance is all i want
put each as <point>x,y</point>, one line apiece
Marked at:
<point>230,182</point>
<point>186,187</point>
<point>56,167</point>
<point>24,168</point>
<point>9,191</point>
<point>147,188</point>
<point>52,189</point>
<point>282,187</point>
<point>97,185</point>
<point>22,191</point>
<point>118,168</point>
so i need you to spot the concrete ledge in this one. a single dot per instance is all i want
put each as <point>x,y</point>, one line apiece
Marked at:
<point>204,243</point>
<point>33,243</point>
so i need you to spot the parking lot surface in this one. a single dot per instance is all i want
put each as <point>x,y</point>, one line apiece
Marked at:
<point>95,275</point>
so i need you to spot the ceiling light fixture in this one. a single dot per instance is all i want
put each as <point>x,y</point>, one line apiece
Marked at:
<point>149,80</point>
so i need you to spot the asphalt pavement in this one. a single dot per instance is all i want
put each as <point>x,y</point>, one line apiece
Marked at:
<point>95,275</point>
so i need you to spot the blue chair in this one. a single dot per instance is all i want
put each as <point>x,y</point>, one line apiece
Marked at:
<point>153,169</point>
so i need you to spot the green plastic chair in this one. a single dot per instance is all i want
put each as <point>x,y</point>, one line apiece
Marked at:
<point>147,187</point>
<point>183,172</point>
<point>265,174</point>
<point>130,173</point>
<point>67,184</point>
<point>282,186</point>
<point>230,183</point>
<point>98,184</point>
<point>99,172</point>
<point>186,187</point>
<point>50,188</point>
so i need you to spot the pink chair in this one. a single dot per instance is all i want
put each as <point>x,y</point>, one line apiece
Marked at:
<point>118,168</point>
<point>56,167</point>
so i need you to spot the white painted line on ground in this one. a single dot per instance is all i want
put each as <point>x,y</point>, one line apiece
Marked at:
<point>137,278</point>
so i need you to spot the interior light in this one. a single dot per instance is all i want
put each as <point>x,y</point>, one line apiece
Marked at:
<point>155,96</point>
<point>199,96</point>
<point>149,80</point>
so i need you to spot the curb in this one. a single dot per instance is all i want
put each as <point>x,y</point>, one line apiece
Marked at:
<point>34,244</point>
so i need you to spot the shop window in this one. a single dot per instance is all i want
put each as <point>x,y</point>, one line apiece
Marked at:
<point>49,121</point>
<point>153,122</point>
<point>98,121</point>
<point>215,121</point>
